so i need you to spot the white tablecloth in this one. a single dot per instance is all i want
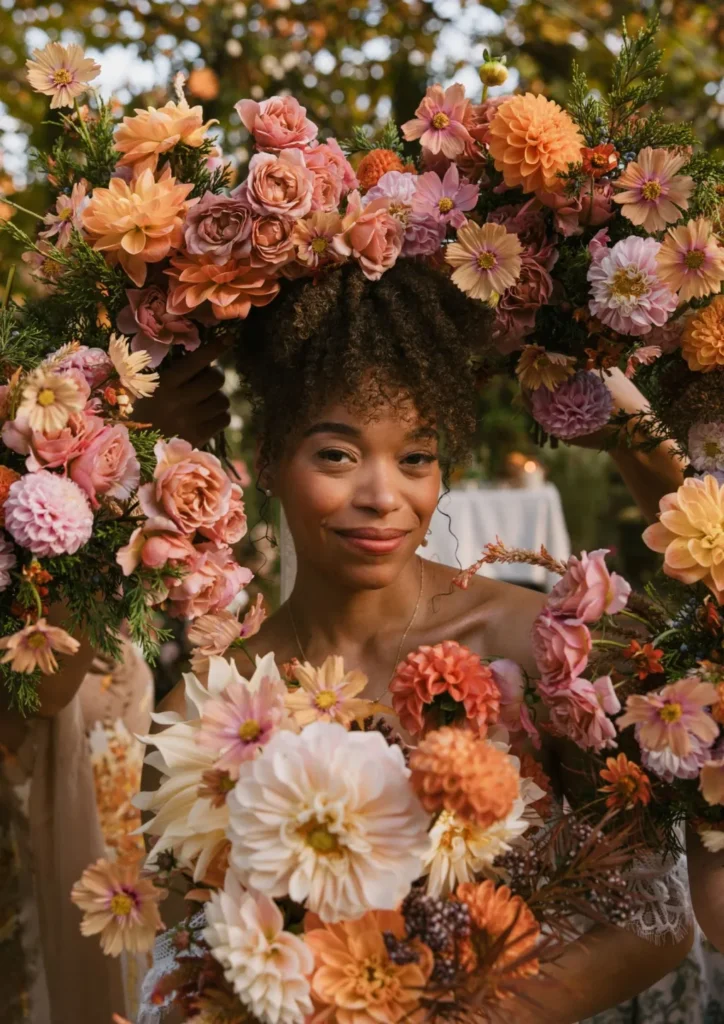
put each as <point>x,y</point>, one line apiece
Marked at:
<point>467,520</point>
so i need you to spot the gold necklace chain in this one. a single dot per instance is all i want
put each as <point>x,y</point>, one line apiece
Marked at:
<point>402,638</point>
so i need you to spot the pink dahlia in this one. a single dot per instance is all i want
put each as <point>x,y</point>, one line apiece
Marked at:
<point>440,119</point>
<point>7,561</point>
<point>560,648</point>
<point>445,199</point>
<point>626,287</point>
<point>670,766</point>
<point>673,718</point>
<point>580,712</point>
<point>240,721</point>
<point>578,406</point>
<point>48,514</point>
<point>588,590</point>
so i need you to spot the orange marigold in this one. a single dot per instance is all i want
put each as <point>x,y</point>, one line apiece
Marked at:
<point>7,477</point>
<point>376,163</point>
<point>531,140</point>
<point>627,784</point>
<point>455,771</point>
<point>702,343</point>
<point>495,912</point>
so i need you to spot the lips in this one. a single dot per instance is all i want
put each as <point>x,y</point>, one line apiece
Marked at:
<point>373,540</point>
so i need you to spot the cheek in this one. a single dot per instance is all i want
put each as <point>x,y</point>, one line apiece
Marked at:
<point>310,497</point>
<point>424,496</point>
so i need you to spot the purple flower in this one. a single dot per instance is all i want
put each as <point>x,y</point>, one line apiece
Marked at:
<point>219,226</point>
<point>423,236</point>
<point>153,327</point>
<point>445,199</point>
<point>577,407</point>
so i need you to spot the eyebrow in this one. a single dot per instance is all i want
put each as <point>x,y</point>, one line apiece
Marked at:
<point>330,427</point>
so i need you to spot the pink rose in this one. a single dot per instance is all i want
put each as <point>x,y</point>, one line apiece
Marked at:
<point>93,363</point>
<point>598,246</point>
<point>560,648</point>
<point>279,185</point>
<point>271,239</point>
<point>213,581</point>
<point>108,466</point>
<point>515,314</point>
<point>580,712</point>
<point>231,527</point>
<point>370,235</point>
<point>574,213</point>
<point>588,591</point>
<point>335,155</point>
<point>277,123</point>
<point>154,329</point>
<point>49,451</point>
<point>17,435</point>
<point>328,182</point>
<point>514,714</point>
<point>219,225</point>
<point>156,545</point>
<point>189,487</point>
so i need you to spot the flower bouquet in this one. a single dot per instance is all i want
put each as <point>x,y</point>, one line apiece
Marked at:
<point>332,872</point>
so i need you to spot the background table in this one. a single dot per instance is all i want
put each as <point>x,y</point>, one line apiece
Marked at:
<point>467,520</point>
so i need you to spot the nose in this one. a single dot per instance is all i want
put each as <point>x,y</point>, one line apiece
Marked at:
<point>377,489</point>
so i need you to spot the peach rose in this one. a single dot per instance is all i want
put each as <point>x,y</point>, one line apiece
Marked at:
<point>213,581</point>
<point>231,527</point>
<point>588,591</point>
<point>189,487</point>
<point>271,241</point>
<point>277,123</point>
<point>156,544</point>
<point>581,712</point>
<point>108,466</point>
<point>371,235</point>
<point>328,182</point>
<point>49,451</point>
<point>560,647</point>
<point>281,185</point>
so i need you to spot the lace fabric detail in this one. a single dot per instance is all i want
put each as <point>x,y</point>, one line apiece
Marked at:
<point>164,962</point>
<point>665,912</point>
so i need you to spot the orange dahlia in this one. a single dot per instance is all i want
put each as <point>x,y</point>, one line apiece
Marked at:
<point>495,913</point>
<point>446,670</point>
<point>138,223</point>
<point>702,343</point>
<point>142,139</point>
<point>455,771</point>
<point>626,785</point>
<point>531,140</point>
<point>376,163</point>
<point>231,288</point>
<point>7,477</point>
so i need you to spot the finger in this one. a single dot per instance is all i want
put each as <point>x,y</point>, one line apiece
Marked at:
<point>189,365</point>
<point>216,405</point>
<point>205,431</point>
<point>209,382</point>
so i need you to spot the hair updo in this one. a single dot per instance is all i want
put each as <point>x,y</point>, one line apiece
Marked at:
<point>341,337</point>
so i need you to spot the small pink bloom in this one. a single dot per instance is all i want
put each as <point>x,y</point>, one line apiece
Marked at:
<point>370,235</point>
<point>514,714</point>
<point>349,178</point>
<point>578,406</point>
<point>627,292</point>
<point>34,646</point>
<point>313,236</point>
<point>644,356</point>
<point>93,363</point>
<point>670,766</point>
<point>51,451</point>
<point>673,718</point>
<point>252,621</point>
<point>48,514</point>
<point>108,466</point>
<point>652,192</point>
<point>448,199</point>
<point>17,435</point>
<point>277,123</point>
<point>279,185</point>
<point>598,246</point>
<point>240,722</point>
<point>219,225</point>
<point>156,544</point>
<point>272,241</point>
<point>328,178</point>
<point>440,119</point>
<point>231,527</point>
<point>588,591</point>
<point>7,561</point>
<point>580,710</point>
<point>189,487</point>
<point>152,328</point>
<point>67,216</point>
<point>213,581</point>
<point>592,207</point>
<point>560,647</point>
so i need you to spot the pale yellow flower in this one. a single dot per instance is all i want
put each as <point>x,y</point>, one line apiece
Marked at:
<point>118,905</point>
<point>130,367</point>
<point>61,72</point>
<point>487,260</point>
<point>48,400</point>
<point>328,694</point>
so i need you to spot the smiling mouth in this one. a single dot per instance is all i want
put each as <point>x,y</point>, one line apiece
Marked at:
<point>373,540</point>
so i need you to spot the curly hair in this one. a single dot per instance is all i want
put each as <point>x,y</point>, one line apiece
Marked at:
<point>341,337</point>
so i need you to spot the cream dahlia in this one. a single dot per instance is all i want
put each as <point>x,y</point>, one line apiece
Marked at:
<point>652,193</point>
<point>119,906</point>
<point>191,825</point>
<point>690,534</point>
<point>143,138</point>
<point>691,260</point>
<point>61,72</point>
<point>268,967</point>
<point>328,818</point>
<point>487,260</point>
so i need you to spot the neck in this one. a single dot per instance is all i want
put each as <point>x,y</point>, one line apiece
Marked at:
<point>330,618</point>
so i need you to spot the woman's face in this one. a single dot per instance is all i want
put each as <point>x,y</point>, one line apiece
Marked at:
<point>358,493</point>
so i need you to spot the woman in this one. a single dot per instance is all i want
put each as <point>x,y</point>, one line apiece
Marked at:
<point>363,393</point>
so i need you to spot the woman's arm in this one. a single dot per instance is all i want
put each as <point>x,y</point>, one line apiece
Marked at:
<point>706,881</point>
<point>605,967</point>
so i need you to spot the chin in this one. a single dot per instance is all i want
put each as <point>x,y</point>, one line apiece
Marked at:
<point>372,575</point>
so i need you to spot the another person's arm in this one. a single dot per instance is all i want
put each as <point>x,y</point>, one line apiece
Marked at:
<point>706,881</point>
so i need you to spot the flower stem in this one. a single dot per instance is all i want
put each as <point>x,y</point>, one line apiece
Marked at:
<point>23,209</point>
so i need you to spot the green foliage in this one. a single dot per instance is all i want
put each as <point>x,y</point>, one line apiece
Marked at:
<point>586,110</point>
<point>84,150</point>
<point>22,689</point>
<point>190,164</point>
<point>21,344</point>
<point>634,77</point>
<point>364,141</point>
<point>143,442</point>
<point>707,171</point>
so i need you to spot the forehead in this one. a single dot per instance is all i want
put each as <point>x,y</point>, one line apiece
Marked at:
<point>386,421</point>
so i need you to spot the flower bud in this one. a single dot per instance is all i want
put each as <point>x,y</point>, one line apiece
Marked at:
<point>493,72</point>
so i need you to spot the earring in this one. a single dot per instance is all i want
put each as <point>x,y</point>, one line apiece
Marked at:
<point>268,492</point>
<point>423,542</point>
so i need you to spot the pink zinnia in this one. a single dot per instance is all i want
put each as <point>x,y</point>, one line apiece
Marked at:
<point>628,293</point>
<point>240,721</point>
<point>577,407</point>
<point>445,199</point>
<point>654,194</point>
<point>673,718</point>
<point>440,121</point>
<point>48,514</point>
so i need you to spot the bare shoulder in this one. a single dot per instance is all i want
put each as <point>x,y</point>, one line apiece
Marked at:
<point>491,617</point>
